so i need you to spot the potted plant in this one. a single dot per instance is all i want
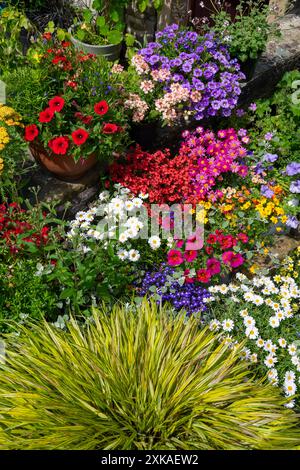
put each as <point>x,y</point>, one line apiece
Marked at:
<point>100,31</point>
<point>247,33</point>
<point>179,77</point>
<point>81,118</point>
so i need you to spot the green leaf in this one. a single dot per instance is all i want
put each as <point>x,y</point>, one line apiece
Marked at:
<point>87,15</point>
<point>143,5</point>
<point>67,293</point>
<point>115,17</point>
<point>100,21</point>
<point>114,36</point>
<point>129,40</point>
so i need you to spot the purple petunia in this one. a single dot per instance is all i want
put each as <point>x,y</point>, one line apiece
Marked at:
<point>266,191</point>
<point>292,221</point>
<point>270,157</point>
<point>293,169</point>
<point>269,136</point>
<point>295,187</point>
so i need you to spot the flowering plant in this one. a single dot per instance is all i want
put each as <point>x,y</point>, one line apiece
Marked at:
<point>204,164</point>
<point>182,74</point>
<point>8,120</point>
<point>83,114</point>
<point>264,312</point>
<point>16,232</point>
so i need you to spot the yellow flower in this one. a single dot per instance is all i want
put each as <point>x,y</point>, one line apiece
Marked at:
<point>253,269</point>
<point>278,229</point>
<point>266,251</point>
<point>246,205</point>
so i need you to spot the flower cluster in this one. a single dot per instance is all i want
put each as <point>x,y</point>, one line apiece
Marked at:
<point>163,178</point>
<point>16,231</point>
<point>91,129</point>
<point>290,266</point>
<point>183,73</point>
<point>8,119</point>
<point>220,253</point>
<point>213,157</point>
<point>119,221</point>
<point>264,312</point>
<point>166,285</point>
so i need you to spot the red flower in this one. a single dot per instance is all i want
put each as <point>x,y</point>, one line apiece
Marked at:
<point>209,250</point>
<point>66,44</point>
<point>59,145</point>
<point>175,258</point>
<point>110,128</point>
<point>101,108</point>
<point>47,36</point>
<point>190,255</point>
<point>57,103</point>
<point>213,266</point>
<point>46,115</point>
<point>85,119</point>
<point>243,237</point>
<point>80,136</point>
<point>72,84</point>
<point>58,59</point>
<point>203,275</point>
<point>211,239</point>
<point>31,132</point>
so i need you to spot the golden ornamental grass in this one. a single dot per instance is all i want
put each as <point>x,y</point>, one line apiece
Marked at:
<point>136,381</point>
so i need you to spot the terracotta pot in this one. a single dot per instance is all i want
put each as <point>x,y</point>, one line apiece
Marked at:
<point>62,166</point>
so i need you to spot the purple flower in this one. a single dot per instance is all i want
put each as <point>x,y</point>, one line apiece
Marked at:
<point>153,59</point>
<point>293,169</point>
<point>240,112</point>
<point>187,66</point>
<point>253,107</point>
<point>295,187</point>
<point>270,157</point>
<point>197,73</point>
<point>242,132</point>
<point>266,191</point>
<point>269,136</point>
<point>292,221</point>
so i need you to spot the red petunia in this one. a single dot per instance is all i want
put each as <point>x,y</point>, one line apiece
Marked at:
<point>46,115</point>
<point>110,128</point>
<point>80,136</point>
<point>101,108</point>
<point>31,132</point>
<point>59,145</point>
<point>56,103</point>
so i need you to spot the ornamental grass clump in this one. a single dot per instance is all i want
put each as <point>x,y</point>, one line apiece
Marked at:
<point>135,380</point>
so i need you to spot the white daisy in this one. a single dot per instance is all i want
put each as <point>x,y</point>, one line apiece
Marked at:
<point>292,349</point>
<point>282,342</point>
<point>137,202</point>
<point>154,242</point>
<point>249,321</point>
<point>274,322</point>
<point>270,360</point>
<point>260,343</point>
<point>252,332</point>
<point>134,255</point>
<point>228,325</point>
<point>123,237</point>
<point>122,254</point>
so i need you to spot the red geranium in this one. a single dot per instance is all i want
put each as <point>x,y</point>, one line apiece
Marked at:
<point>56,103</point>
<point>110,128</point>
<point>101,108</point>
<point>46,115</point>
<point>31,132</point>
<point>47,36</point>
<point>80,136</point>
<point>59,145</point>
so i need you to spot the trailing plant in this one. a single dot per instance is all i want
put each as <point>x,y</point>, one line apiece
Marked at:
<point>135,380</point>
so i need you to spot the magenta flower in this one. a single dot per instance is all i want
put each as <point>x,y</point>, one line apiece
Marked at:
<point>175,258</point>
<point>213,266</point>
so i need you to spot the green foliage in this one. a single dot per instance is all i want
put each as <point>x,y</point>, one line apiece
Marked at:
<point>135,381</point>
<point>23,295</point>
<point>12,22</point>
<point>28,91</point>
<point>248,33</point>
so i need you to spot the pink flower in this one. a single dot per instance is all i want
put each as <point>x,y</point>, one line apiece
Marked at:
<point>232,259</point>
<point>213,266</point>
<point>175,258</point>
<point>190,255</point>
<point>243,237</point>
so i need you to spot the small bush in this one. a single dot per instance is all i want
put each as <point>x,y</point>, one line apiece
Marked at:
<point>135,381</point>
